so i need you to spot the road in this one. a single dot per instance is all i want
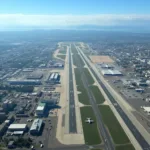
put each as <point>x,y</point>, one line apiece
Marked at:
<point>143,143</point>
<point>72,114</point>
<point>108,144</point>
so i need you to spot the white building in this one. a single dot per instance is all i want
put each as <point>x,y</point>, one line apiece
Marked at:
<point>36,126</point>
<point>40,109</point>
<point>17,127</point>
<point>110,72</point>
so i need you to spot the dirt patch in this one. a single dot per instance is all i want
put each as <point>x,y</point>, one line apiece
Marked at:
<point>101,59</point>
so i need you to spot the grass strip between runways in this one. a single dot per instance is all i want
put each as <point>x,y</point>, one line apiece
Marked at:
<point>91,134</point>
<point>97,94</point>
<point>117,133</point>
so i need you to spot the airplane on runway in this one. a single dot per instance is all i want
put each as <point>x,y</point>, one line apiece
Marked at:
<point>88,120</point>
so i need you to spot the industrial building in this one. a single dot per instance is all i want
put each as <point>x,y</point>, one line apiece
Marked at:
<point>3,128</point>
<point>48,100</point>
<point>36,126</point>
<point>8,105</point>
<point>106,66</point>
<point>109,72</point>
<point>17,127</point>
<point>56,65</point>
<point>146,109</point>
<point>35,75</point>
<point>54,78</point>
<point>139,90</point>
<point>28,70</point>
<point>23,82</point>
<point>2,116</point>
<point>40,109</point>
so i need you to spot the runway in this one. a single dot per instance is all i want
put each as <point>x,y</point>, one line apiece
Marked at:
<point>108,143</point>
<point>72,114</point>
<point>143,143</point>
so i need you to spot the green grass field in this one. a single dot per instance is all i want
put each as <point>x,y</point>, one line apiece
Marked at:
<point>77,61</point>
<point>77,76</point>
<point>91,134</point>
<point>95,149</point>
<point>83,97</point>
<point>62,51</point>
<point>125,147</point>
<point>97,94</point>
<point>89,77</point>
<point>62,56</point>
<point>73,49</point>
<point>117,133</point>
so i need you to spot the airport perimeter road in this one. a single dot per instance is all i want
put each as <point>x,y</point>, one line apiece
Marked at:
<point>143,143</point>
<point>72,114</point>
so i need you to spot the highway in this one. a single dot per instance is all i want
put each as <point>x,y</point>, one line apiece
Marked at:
<point>108,143</point>
<point>72,114</point>
<point>143,143</point>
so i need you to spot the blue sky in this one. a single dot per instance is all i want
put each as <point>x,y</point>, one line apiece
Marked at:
<point>68,13</point>
<point>75,6</point>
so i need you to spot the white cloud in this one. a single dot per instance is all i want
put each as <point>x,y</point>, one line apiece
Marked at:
<point>22,20</point>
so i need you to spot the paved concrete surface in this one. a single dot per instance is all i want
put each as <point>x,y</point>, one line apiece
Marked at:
<point>72,113</point>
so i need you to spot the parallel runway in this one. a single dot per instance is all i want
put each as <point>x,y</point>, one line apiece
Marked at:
<point>72,114</point>
<point>108,143</point>
<point>143,143</point>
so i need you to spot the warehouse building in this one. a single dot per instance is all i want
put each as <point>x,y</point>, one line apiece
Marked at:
<point>106,66</point>
<point>35,76</point>
<point>54,78</point>
<point>48,100</point>
<point>146,109</point>
<point>23,82</point>
<point>109,72</point>
<point>139,90</point>
<point>36,126</point>
<point>40,109</point>
<point>17,127</point>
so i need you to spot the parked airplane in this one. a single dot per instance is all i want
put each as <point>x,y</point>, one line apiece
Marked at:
<point>88,120</point>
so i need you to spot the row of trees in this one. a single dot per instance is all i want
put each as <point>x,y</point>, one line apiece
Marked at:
<point>19,142</point>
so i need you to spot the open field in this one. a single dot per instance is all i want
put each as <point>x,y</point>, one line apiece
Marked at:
<point>97,94</point>
<point>95,149</point>
<point>62,56</point>
<point>83,96</point>
<point>62,51</point>
<point>77,61</point>
<point>101,59</point>
<point>91,133</point>
<point>117,133</point>
<point>89,77</point>
<point>125,147</point>
<point>73,49</point>
<point>77,76</point>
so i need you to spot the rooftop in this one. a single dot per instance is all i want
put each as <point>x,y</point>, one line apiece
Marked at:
<point>17,126</point>
<point>41,106</point>
<point>36,125</point>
